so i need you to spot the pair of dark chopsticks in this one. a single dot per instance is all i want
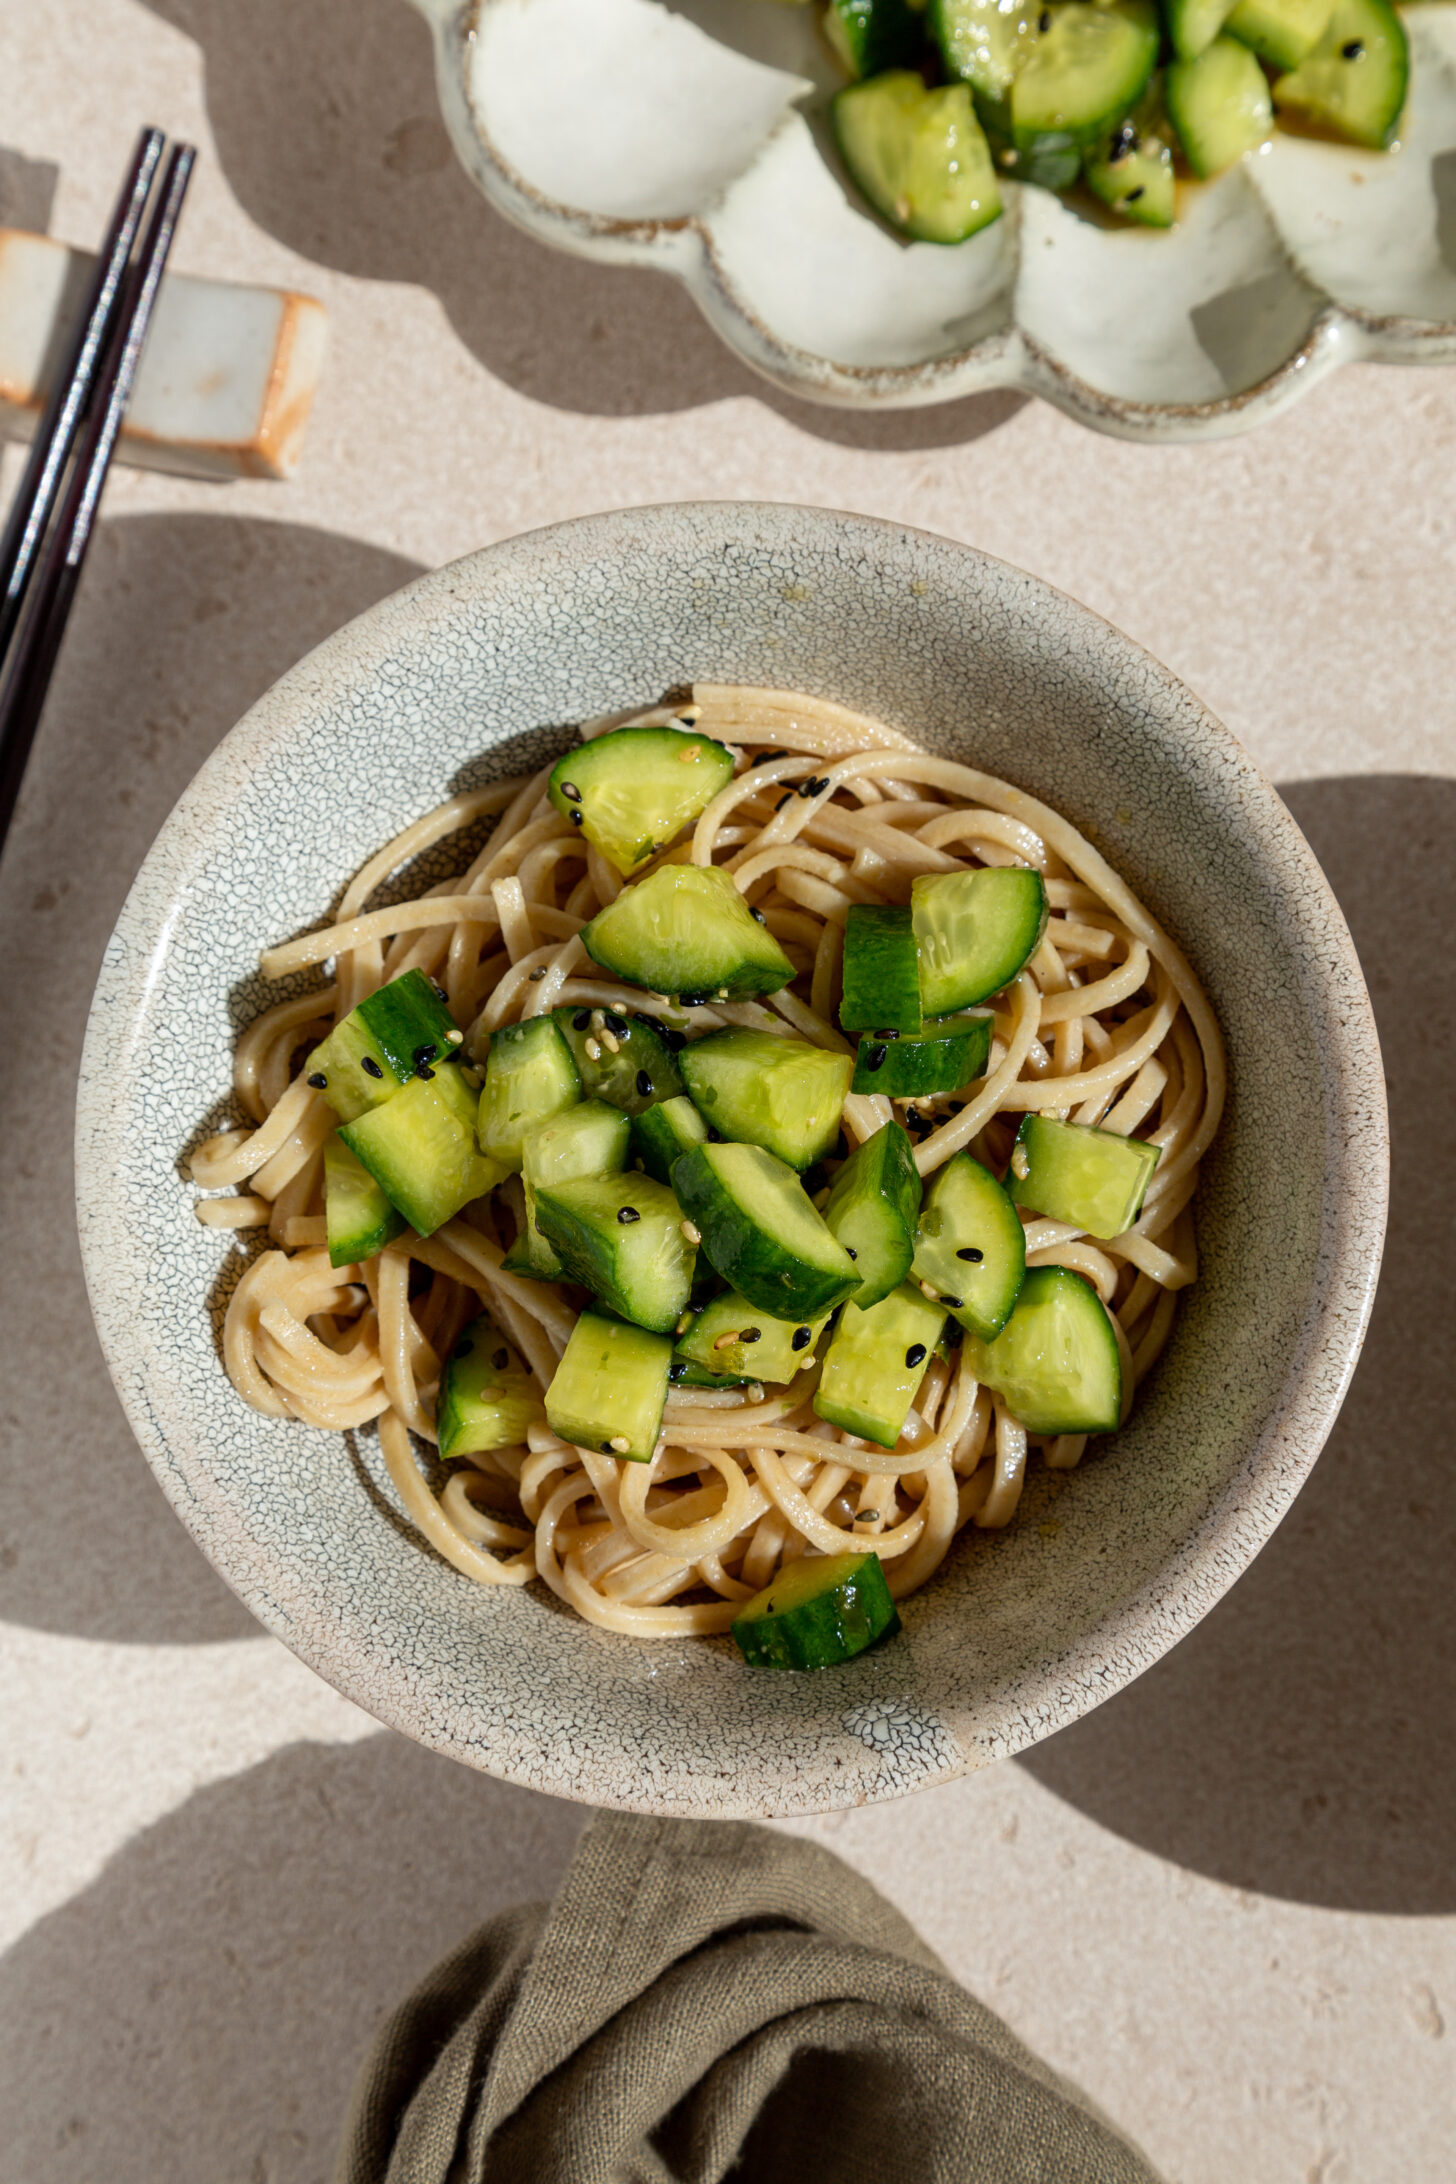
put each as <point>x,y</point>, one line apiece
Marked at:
<point>51,520</point>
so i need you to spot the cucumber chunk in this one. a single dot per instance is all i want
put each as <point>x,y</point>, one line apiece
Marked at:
<point>875,1363</point>
<point>881,970</point>
<point>1083,71</point>
<point>759,1089</point>
<point>633,791</point>
<point>970,1246</point>
<point>919,156</point>
<point>661,1134</point>
<point>686,930</point>
<point>735,1337</point>
<point>360,1219</point>
<point>381,1044</point>
<point>621,1237</point>
<point>530,1075</point>
<point>1132,167</point>
<point>1055,1363</point>
<point>872,1211</point>
<point>632,1066</point>
<point>1194,24</point>
<point>591,1139</point>
<point>819,1611</point>
<point>1072,1172</point>
<point>871,35</point>
<point>761,1232</point>
<point>1353,83</point>
<point>487,1398</point>
<point>1219,105</point>
<point>1281,32</point>
<point>609,1390</point>
<point>420,1149</point>
<point>983,41</point>
<point>947,1054</point>
<point>976,931</point>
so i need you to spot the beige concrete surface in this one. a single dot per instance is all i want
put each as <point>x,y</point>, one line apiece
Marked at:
<point>1224,1902</point>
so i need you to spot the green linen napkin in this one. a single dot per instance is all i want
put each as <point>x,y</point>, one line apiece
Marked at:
<point>707,2000</point>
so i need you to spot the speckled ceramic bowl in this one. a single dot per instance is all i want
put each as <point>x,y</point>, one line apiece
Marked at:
<point>691,135</point>
<point>476,670</point>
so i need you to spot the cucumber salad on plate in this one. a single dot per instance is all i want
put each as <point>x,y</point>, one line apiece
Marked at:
<point>1117,96</point>
<point>770,1141</point>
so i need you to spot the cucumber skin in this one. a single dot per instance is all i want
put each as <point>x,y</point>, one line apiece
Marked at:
<point>1051,137</point>
<point>748,1260</point>
<point>536,1051</point>
<point>881,970</point>
<point>949,1053</point>
<point>658,1139</point>
<point>854,1612</point>
<point>394,1027</point>
<point>870,36</point>
<point>444,1100</point>
<point>582,1240</point>
<point>873,1206</point>
<point>373,1222</point>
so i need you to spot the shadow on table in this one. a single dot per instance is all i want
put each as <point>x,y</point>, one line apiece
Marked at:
<point>181,623</point>
<point>200,2011</point>
<point>1300,1741</point>
<point>329,130</point>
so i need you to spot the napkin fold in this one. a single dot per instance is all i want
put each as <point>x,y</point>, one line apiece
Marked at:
<point>706,2000</point>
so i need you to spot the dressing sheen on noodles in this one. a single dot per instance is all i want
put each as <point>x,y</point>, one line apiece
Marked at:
<point>1105,1025</point>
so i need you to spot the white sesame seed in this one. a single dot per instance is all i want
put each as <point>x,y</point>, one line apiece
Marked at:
<point>726,1342</point>
<point>806,1362</point>
<point>722,993</point>
<point>593,1050</point>
<point>685,1323</point>
<point>455,1038</point>
<point>927,1291</point>
<point>612,1045</point>
<point>598,1018</point>
<point>620,1443</point>
<point>691,754</point>
<point>693,1233</point>
<point>1019,1162</point>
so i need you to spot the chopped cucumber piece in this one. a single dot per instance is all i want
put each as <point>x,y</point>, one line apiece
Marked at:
<point>872,1210</point>
<point>487,1397</point>
<point>761,1232</point>
<point>881,970</point>
<point>591,1139</point>
<point>1083,71</point>
<point>1055,1363</point>
<point>381,1044</point>
<point>760,1089</point>
<point>819,1611</point>
<point>871,35</point>
<point>1354,81</point>
<point>686,1375</point>
<point>1194,24</point>
<point>947,1054</point>
<point>686,930</point>
<point>530,1075</point>
<point>970,1246</point>
<point>1220,105</point>
<point>976,931</point>
<point>875,1363</point>
<point>610,1387</point>
<point>621,1236</point>
<point>420,1149</point>
<point>1281,32</point>
<point>661,1134</point>
<point>359,1217</point>
<point>735,1337</point>
<point>1072,1172</point>
<point>632,1064</point>
<point>919,156</point>
<point>633,791</point>
<point>983,41</point>
<point>1132,168</point>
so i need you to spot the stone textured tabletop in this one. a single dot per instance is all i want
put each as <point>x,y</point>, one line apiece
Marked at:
<point>1224,1902</point>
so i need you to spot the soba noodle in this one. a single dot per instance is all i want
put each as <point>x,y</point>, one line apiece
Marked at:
<point>1106,1025</point>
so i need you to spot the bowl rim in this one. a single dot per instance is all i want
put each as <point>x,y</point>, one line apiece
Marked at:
<point>1243,1513</point>
<point>1008,359</point>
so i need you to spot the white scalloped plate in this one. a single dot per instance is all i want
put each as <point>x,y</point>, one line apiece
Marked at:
<point>687,135</point>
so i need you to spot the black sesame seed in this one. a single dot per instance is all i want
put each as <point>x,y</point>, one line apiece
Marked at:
<point>569,788</point>
<point>1044,21</point>
<point>778,807</point>
<point>627,1214</point>
<point>582,1020</point>
<point>954,1335</point>
<point>749,1334</point>
<point>969,1251</point>
<point>850,1252</point>
<point>954,1303</point>
<point>425,1073</point>
<point>500,1359</point>
<point>808,788</point>
<point>425,1055</point>
<point>438,989</point>
<point>616,1025</point>
<point>318,1080</point>
<point>676,1370</point>
<point>875,1059</point>
<point>715,1136</point>
<point>644,1084</point>
<point>1352,49</point>
<point>692,1001</point>
<point>801,1338</point>
<point>915,1355</point>
<point>464,1346</point>
<point>764,757</point>
<point>1124,142</point>
<point>1133,195</point>
<point>370,1067</point>
<point>576,819</point>
<point>887,1034</point>
<point>757,915</point>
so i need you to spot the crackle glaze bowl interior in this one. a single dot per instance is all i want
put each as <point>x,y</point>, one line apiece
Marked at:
<point>480,669</point>
<point>691,135</point>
